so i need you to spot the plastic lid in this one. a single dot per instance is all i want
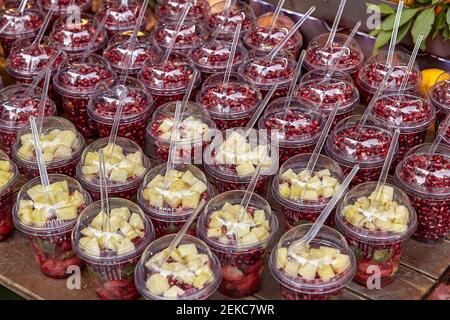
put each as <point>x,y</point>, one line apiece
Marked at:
<point>62,6</point>
<point>74,37</point>
<point>320,57</point>
<point>120,17</point>
<point>24,24</point>
<point>439,93</point>
<point>120,236</point>
<point>78,76</point>
<point>196,270</point>
<point>8,173</point>
<point>374,69</point>
<point>54,211</point>
<point>446,123</point>
<point>171,9</point>
<point>325,94</point>
<point>15,109</point>
<point>106,97</point>
<point>118,51</point>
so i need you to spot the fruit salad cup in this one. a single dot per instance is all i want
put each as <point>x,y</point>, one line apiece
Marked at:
<point>62,7</point>
<point>446,124</point>
<point>15,109</point>
<point>425,178</point>
<point>20,25</point>
<point>137,106</point>
<point>317,272</point>
<point>9,175</point>
<point>119,52</point>
<point>439,96</point>
<point>75,80</point>
<point>191,272</point>
<point>61,144</point>
<point>169,200</point>
<point>321,57</point>
<point>325,94</point>
<point>111,246</point>
<point>295,132</point>
<point>230,106</point>
<point>375,225</point>
<point>368,145</point>
<point>371,75</point>
<point>240,238</point>
<point>172,9</point>
<point>168,81</point>
<point>195,132</point>
<point>412,116</point>
<point>47,216</point>
<point>303,197</point>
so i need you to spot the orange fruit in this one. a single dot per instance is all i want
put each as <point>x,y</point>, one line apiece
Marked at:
<point>429,78</point>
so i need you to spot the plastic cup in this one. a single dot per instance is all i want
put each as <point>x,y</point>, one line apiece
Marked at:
<point>9,177</point>
<point>296,209</point>
<point>325,94</point>
<point>195,132</point>
<point>47,228</point>
<point>171,9</point>
<point>367,146</point>
<point>118,52</point>
<point>15,109</point>
<point>189,281</point>
<point>296,286</point>
<point>439,97</point>
<point>412,116</point>
<point>75,81</point>
<point>242,262</point>
<point>168,81</point>
<point>136,110</point>
<point>425,179</point>
<point>111,268</point>
<point>229,107</point>
<point>169,215</point>
<point>295,133</point>
<point>377,251</point>
<point>62,7</point>
<point>446,124</point>
<point>371,75</point>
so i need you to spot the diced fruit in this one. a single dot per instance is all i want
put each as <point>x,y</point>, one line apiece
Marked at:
<point>308,271</point>
<point>325,272</point>
<point>136,221</point>
<point>158,284</point>
<point>174,292</point>
<point>340,263</point>
<point>187,249</point>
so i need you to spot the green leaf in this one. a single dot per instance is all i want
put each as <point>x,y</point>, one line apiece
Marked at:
<point>403,31</point>
<point>439,24</point>
<point>386,9</point>
<point>435,2</point>
<point>374,32</point>
<point>382,38</point>
<point>423,1</point>
<point>423,24</point>
<point>448,16</point>
<point>407,14</point>
<point>446,34</point>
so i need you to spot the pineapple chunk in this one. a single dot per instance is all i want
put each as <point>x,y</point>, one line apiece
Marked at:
<point>201,280</point>
<point>76,199</point>
<point>292,267</point>
<point>67,213</point>
<point>125,246</point>
<point>90,245</point>
<point>245,169</point>
<point>173,201</point>
<point>122,213</point>
<point>289,175</point>
<point>154,197</point>
<point>191,200</point>
<point>282,257</point>
<point>187,249</point>
<point>284,190</point>
<point>325,272</point>
<point>189,178</point>
<point>136,221</point>
<point>5,165</point>
<point>329,181</point>
<point>88,170</point>
<point>327,192</point>
<point>118,175</point>
<point>308,271</point>
<point>323,173</point>
<point>340,263</point>
<point>214,232</point>
<point>157,284</point>
<point>62,152</point>
<point>296,191</point>
<point>199,187</point>
<point>99,220</point>
<point>311,195</point>
<point>91,159</point>
<point>385,194</point>
<point>174,292</point>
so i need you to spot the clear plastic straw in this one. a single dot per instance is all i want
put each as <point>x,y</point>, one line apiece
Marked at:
<point>227,10</point>
<point>99,29</point>
<point>39,157</point>
<point>297,72</point>
<point>43,28</point>
<point>234,44</point>
<point>440,135</point>
<point>275,16</point>
<point>336,23</point>
<point>104,198</point>
<point>43,100</point>
<point>252,184</point>
<point>393,42</point>
<point>117,116</point>
<point>20,10</point>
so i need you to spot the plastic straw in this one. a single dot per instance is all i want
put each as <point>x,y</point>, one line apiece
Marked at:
<point>398,16</point>
<point>104,199</point>
<point>117,116</point>
<point>99,29</point>
<point>227,10</point>
<point>412,59</point>
<point>336,23</point>
<point>43,28</point>
<point>39,157</point>
<point>440,135</point>
<point>275,16</point>
<point>20,10</point>
<point>43,100</point>
<point>226,77</point>
<point>298,71</point>
<point>252,184</point>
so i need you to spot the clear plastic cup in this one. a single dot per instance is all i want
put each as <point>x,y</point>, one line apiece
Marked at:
<point>371,75</point>
<point>118,52</point>
<point>9,175</point>
<point>15,109</point>
<point>412,116</point>
<point>231,106</point>
<point>439,97</point>
<point>73,37</point>
<point>240,12</point>
<point>306,282</point>
<point>168,81</point>
<point>303,200</point>
<point>321,57</point>
<point>241,255</point>
<point>75,81</point>
<point>257,38</point>
<point>126,166</point>
<point>265,72</point>
<point>196,277</point>
<point>325,94</point>
<point>111,263</point>
<point>61,143</point>
<point>25,25</point>
<point>195,132</point>
<point>446,123</point>
<point>425,179</point>
<point>296,132</point>
<point>172,9</point>
<point>47,217</point>
<point>350,144</point>
<point>62,7</point>
<point>137,106</point>
<point>168,207</point>
<point>376,244</point>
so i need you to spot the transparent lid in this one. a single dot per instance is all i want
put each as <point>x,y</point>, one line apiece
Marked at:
<point>74,36</point>
<point>439,93</point>
<point>119,51</point>
<point>374,69</point>
<point>15,108</point>
<point>121,234</point>
<point>106,97</point>
<point>172,9</point>
<point>191,272</point>
<point>325,94</point>
<point>79,75</point>
<point>8,173</point>
<point>62,6</point>
<point>27,23</point>
<point>446,124</point>
<point>121,16</point>
<point>319,56</point>
<point>239,98</point>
